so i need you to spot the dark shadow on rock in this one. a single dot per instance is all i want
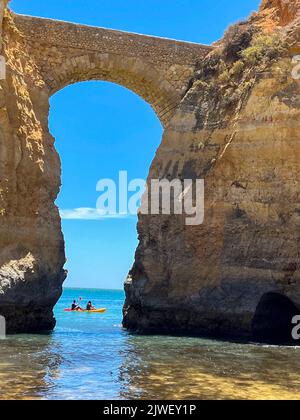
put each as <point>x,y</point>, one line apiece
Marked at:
<point>272,322</point>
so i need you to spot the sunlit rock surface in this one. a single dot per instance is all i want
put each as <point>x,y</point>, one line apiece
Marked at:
<point>238,128</point>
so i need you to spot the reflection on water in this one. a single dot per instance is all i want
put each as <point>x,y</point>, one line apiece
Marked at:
<point>187,368</point>
<point>90,357</point>
<point>28,366</point>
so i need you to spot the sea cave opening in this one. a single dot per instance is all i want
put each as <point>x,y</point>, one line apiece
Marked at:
<point>272,322</point>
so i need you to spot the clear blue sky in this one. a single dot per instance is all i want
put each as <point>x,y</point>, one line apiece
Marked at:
<point>101,128</point>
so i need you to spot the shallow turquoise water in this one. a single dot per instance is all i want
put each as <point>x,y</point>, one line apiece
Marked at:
<point>89,356</point>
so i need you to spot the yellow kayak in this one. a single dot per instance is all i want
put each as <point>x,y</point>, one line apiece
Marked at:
<point>97,311</point>
<point>93,311</point>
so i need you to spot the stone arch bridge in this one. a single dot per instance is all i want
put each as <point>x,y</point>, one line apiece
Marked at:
<point>157,69</point>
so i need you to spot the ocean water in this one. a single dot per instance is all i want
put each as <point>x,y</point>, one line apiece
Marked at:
<point>89,356</point>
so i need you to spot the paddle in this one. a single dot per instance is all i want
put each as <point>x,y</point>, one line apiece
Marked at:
<point>80,300</point>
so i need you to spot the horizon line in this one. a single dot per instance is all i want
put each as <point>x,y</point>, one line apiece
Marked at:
<point>91,288</point>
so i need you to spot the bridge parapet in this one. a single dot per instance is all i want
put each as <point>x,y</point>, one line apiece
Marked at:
<point>157,69</point>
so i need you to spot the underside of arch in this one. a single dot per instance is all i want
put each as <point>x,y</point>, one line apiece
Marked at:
<point>128,72</point>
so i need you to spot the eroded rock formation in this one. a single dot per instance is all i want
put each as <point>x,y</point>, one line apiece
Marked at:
<point>231,117</point>
<point>282,12</point>
<point>32,246</point>
<point>238,128</point>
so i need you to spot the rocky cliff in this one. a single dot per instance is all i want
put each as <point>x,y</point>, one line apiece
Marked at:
<point>237,127</point>
<point>281,12</point>
<point>32,247</point>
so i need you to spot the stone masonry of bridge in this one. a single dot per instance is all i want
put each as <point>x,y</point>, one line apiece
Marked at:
<point>157,69</point>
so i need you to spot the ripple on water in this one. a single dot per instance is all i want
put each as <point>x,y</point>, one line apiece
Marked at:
<point>95,359</point>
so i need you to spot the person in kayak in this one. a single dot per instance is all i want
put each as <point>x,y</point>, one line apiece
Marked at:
<point>75,307</point>
<point>90,307</point>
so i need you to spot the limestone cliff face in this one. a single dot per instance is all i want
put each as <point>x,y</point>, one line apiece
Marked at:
<point>32,248</point>
<point>238,128</point>
<point>282,11</point>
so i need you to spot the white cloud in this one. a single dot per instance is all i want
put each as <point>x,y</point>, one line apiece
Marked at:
<point>87,213</point>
